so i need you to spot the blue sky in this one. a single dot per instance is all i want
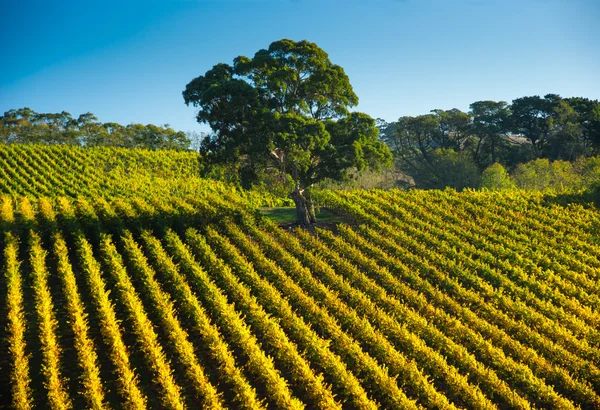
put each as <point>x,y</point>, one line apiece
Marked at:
<point>128,61</point>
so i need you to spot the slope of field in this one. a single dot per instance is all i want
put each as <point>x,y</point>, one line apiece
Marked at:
<point>38,170</point>
<point>426,299</point>
<point>110,172</point>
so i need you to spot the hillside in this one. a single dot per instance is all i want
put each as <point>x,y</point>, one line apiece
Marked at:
<point>149,297</point>
<point>48,170</point>
<point>108,172</point>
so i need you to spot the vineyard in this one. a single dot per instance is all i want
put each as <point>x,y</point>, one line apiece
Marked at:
<point>109,172</point>
<point>167,295</point>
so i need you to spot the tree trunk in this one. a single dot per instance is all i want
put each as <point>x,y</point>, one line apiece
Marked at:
<point>310,206</point>
<point>303,215</point>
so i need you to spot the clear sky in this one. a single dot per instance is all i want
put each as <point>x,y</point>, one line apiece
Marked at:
<point>128,61</point>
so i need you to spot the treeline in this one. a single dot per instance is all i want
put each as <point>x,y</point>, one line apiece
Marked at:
<point>453,148</point>
<point>25,126</point>
<point>542,174</point>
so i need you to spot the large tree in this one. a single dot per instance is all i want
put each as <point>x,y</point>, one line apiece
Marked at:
<point>588,113</point>
<point>287,109</point>
<point>454,128</point>
<point>489,124</point>
<point>431,148</point>
<point>531,117</point>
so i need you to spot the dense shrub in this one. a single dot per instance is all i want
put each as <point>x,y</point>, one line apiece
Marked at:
<point>496,178</point>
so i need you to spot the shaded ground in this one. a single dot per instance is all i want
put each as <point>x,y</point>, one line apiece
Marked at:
<point>326,218</point>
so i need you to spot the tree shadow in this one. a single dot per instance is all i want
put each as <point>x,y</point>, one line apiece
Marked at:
<point>587,199</point>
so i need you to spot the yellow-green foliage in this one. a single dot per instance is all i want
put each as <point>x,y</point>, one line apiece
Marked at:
<point>496,178</point>
<point>132,396</point>
<point>142,326</point>
<point>424,299</point>
<point>92,388</point>
<point>259,364</point>
<point>178,336</point>
<point>72,171</point>
<point>51,351</point>
<point>16,327</point>
<point>274,336</point>
<point>244,394</point>
<point>7,214</point>
<point>542,174</point>
<point>377,378</point>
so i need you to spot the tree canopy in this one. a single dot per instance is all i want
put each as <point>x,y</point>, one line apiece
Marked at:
<point>529,128</point>
<point>287,109</point>
<point>27,126</point>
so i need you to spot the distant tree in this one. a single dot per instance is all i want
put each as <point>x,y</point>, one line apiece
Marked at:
<point>430,149</point>
<point>489,124</point>
<point>415,139</point>
<point>454,128</point>
<point>589,170</point>
<point>59,128</point>
<point>116,135</point>
<point>173,139</point>
<point>447,168</point>
<point>91,131</point>
<point>541,174</point>
<point>496,178</point>
<point>388,133</point>
<point>18,125</point>
<point>558,128</point>
<point>287,109</point>
<point>492,132</point>
<point>156,137</point>
<point>566,140</point>
<point>28,127</point>
<point>588,112</point>
<point>532,118</point>
<point>196,139</point>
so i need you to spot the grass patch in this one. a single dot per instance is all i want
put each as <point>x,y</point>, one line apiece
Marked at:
<point>285,215</point>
